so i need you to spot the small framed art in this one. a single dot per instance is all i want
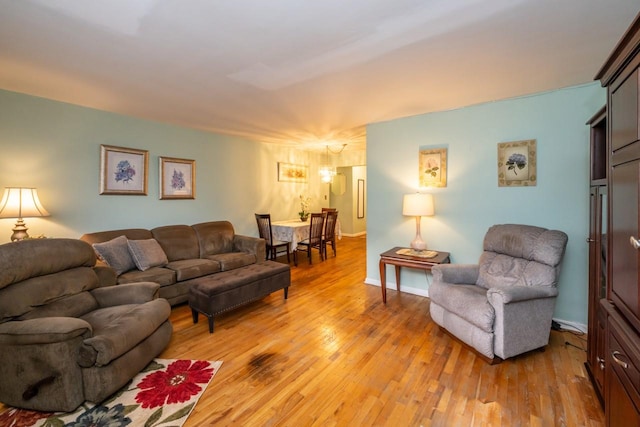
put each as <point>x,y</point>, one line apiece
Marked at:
<point>288,172</point>
<point>517,163</point>
<point>177,178</point>
<point>433,167</point>
<point>123,170</point>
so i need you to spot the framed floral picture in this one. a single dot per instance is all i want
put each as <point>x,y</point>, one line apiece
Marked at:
<point>288,172</point>
<point>517,163</point>
<point>177,178</point>
<point>433,167</point>
<point>123,170</point>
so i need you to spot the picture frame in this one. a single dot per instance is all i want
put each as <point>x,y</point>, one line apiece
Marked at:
<point>432,168</point>
<point>177,178</point>
<point>360,199</point>
<point>289,172</point>
<point>123,171</point>
<point>517,163</point>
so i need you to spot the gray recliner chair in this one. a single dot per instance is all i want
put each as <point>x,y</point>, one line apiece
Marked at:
<point>502,306</point>
<point>66,334</point>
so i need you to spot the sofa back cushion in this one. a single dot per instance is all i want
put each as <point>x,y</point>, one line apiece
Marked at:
<point>178,241</point>
<point>215,237</point>
<point>129,233</point>
<point>521,255</point>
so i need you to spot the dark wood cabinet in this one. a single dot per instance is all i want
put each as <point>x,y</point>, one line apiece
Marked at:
<point>621,389</point>
<point>623,377</point>
<point>597,241</point>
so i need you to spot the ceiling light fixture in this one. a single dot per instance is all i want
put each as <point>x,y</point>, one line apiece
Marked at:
<point>327,172</point>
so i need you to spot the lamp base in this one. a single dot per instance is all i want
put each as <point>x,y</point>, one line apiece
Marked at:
<point>19,231</point>
<point>417,243</point>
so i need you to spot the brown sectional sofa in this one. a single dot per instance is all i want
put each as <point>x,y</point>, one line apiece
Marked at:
<point>191,251</point>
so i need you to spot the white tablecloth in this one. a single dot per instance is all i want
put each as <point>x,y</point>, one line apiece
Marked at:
<point>294,230</point>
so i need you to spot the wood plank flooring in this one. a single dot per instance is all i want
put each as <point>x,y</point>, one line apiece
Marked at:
<point>334,355</point>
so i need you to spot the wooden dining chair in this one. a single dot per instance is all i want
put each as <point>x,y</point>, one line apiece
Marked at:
<point>329,236</point>
<point>329,209</point>
<point>273,246</point>
<point>314,241</point>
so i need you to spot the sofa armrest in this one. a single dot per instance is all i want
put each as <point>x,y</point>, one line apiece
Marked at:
<point>253,245</point>
<point>126,293</point>
<point>508,294</point>
<point>44,330</point>
<point>461,274</point>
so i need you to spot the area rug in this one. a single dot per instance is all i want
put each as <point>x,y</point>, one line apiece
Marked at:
<point>163,394</point>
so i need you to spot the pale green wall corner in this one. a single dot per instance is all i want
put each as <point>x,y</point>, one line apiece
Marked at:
<point>472,201</point>
<point>55,147</point>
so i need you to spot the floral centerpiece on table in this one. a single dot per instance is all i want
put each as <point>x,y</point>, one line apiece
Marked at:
<point>304,207</point>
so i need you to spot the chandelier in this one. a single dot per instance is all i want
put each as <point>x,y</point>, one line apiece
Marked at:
<point>327,172</point>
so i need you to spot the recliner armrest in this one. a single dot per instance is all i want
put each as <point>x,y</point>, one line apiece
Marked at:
<point>43,330</point>
<point>508,294</point>
<point>126,293</point>
<point>253,245</point>
<point>461,274</point>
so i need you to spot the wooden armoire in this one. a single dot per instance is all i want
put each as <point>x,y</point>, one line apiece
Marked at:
<point>619,311</point>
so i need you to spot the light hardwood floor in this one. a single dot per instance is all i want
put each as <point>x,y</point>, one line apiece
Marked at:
<point>333,354</point>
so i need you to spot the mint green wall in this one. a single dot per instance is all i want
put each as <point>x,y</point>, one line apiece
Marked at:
<point>472,200</point>
<point>55,147</point>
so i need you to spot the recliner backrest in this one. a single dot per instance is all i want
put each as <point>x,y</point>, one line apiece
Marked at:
<point>521,255</point>
<point>46,277</point>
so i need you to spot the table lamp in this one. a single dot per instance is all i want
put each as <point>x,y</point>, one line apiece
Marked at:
<point>19,202</point>
<point>418,205</point>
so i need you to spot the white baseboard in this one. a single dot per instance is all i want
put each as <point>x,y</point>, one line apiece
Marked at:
<point>572,326</point>
<point>362,233</point>
<point>394,287</point>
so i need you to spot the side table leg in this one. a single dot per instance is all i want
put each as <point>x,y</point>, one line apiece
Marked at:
<point>383,281</point>
<point>398,278</point>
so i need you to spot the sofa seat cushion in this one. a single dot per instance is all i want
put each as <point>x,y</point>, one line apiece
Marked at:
<point>118,329</point>
<point>232,260</point>
<point>160,275</point>
<point>191,268</point>
<point>467,301</point>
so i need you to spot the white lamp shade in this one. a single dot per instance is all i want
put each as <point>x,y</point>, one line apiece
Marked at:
<point>21,203</point>
<point>418,204</point>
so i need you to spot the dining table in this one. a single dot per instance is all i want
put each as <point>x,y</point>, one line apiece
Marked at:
<point>295,230</point>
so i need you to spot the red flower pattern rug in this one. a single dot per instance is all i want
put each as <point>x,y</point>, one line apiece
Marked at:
<point>163,394</point>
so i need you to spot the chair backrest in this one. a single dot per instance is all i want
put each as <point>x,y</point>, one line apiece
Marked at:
<point>264,227</point>
<point>329,209</point>
<point>330,225</point>
<point>521,255</point>
<point>316,228</point>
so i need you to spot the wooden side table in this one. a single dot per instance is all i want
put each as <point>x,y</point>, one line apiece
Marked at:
<point>400,260</point>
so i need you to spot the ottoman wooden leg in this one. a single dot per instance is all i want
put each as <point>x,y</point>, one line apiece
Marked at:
<point>194,314</point>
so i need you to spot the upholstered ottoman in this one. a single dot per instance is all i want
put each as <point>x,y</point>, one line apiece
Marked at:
<point>220,292</point>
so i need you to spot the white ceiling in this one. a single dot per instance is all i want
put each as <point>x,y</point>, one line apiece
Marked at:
<point>300,71</point>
